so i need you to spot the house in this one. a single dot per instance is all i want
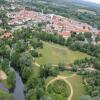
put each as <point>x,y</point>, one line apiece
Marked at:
<point>6,35</point>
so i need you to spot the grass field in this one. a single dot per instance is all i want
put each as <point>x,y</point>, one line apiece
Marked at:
<point>53,53</point>
<point>78,87</point>
<point>87,11</point>
<point>76,82</point>
<point>5,96</point>
<point>62,73</point>
<point>66,73</point>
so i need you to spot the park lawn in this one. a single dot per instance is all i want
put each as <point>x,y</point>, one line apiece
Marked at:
<point>49,79</point>
<point>78,87</point>
<point>36,70</point>
<point>5,96</point>
<point>58,90</point>
<point>76,82</point>
<point>62,73</point>
<point>54,54</point>
<point>66,73</point>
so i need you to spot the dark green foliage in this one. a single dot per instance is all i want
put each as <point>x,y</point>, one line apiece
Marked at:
<point>34,53</point>
<point>48,70</point>
<point>4,19</point>
<point>25,59</point>
<point>58,89</point>
<point>97,38</point>
<point>11,78</point>
<point>97,64</point>
<point>61,66</point>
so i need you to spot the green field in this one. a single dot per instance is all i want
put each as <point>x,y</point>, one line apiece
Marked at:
<point>78,87</point>
<point>87,11</point>
<point>5,96</point>
<point>76,82</point>
<point>54,54</point>
<point>58,90</point>
<point>62,73</point>
<point>66,73</point>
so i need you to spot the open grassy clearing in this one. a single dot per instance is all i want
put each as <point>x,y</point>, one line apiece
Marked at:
<point>58,90</point>
<point>76,82</point>
<point>5,96</point>
<point>54,54</point>
<point>78,87</point>
<point>62,73</point>
<point>87,11</point>
<point>66,73</point>
<point>36,70</point>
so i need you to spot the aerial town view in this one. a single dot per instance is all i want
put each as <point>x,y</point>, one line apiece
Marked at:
<point>49,49</point>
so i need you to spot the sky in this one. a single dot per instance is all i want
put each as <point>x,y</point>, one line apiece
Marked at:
<point>95,1</point>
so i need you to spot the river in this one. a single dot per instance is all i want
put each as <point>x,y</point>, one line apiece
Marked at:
<point>19,88</point>
<point>18,93</point>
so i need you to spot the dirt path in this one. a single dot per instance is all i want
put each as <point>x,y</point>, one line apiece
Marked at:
<point>3,75</point>
<point>67,82</point>
<point>61,78</point>
<point>37,64</point>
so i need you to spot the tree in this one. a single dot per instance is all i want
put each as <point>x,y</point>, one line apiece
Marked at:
<point>86,97</point>
<point>46,98</point>
<point>21,46</point>
<point>11,78</point>
<point>5,51</point>
<point>88,35</point>
<point>4,19</point>
<point>15,59</point>
<point>80,37</point>
<point>48,70</point>
<point>30,95</point>
<point>45,71</point>
<point>5,64</point>
<point>97,64</point>
<point>26,59</point>
<point>34,53</point>
<point>61,66</point>
<point>96,98</point>
<point>26,73</point>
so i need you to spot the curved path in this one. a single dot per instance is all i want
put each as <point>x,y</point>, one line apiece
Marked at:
<point>38,65</point>
<point>63,78</point>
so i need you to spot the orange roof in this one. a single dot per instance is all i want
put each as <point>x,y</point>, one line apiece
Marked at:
<point>6,35</point>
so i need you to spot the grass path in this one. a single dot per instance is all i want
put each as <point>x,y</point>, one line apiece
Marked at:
<point>67,82</point>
